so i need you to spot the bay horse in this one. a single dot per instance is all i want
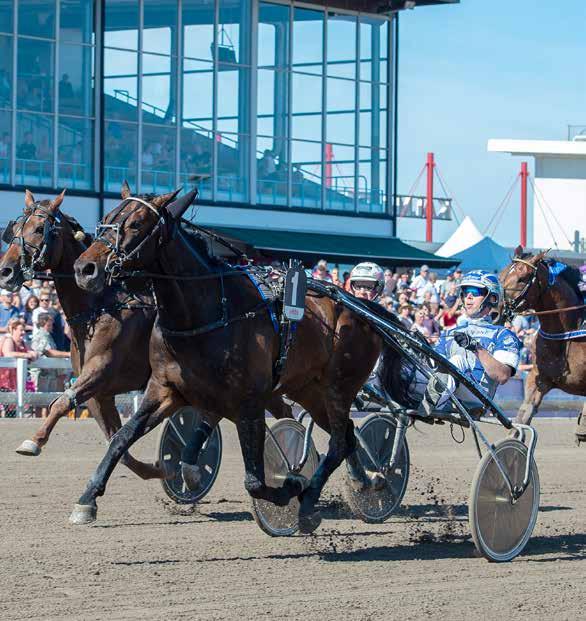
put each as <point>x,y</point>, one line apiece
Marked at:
<point>559,360</point>
<point>214,347</point>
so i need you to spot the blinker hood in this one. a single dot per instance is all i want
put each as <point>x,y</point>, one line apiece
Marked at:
<point>178,207</point>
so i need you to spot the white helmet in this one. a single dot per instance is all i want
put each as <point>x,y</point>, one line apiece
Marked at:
<point>488,281</point>
<point>371,273</point>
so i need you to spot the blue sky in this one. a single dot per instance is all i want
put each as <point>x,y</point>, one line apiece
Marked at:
<point>487,69</point>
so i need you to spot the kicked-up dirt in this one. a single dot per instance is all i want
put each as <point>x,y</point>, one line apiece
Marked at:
<point>147,558</point>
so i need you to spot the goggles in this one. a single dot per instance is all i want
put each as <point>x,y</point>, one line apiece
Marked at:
<point>475,291</point>
<point>367,286</point>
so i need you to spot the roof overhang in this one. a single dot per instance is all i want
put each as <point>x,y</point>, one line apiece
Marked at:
<point>379,6</point>
<point>544,148</point>
<point>310,247</point>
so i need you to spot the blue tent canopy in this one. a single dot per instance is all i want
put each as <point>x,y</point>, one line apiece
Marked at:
<point>485,255</point>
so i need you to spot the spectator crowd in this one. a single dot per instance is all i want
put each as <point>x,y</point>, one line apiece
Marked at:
<point>32,325</point>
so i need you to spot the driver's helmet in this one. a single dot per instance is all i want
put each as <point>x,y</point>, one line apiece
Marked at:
<point>488,282</point>
<point>369,275</point>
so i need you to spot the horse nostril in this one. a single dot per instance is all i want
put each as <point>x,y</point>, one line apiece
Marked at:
<point>89,269</point>
<point>6,272</point>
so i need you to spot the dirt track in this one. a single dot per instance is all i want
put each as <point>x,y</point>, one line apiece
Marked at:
<point>144,559</point>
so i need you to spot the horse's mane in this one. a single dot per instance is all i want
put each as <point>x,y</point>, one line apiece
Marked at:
<point>201,244</point>
<point>571,274</point>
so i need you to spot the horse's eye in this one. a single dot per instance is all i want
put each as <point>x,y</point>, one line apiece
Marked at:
<point>135,225</point>
<point>40,230</point>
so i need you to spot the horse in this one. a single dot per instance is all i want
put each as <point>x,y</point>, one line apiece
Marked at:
<point>110,332</point>
<point>214,346</point>
<point>560,359</point>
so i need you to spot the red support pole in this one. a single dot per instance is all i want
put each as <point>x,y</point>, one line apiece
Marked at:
<point>524,175</point>
<point>429,206</point>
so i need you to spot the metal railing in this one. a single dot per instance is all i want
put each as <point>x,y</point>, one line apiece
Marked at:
<point>21,398</point>
<point>414,207</point>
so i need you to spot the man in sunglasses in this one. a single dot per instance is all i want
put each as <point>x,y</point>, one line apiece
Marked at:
<point>367,281</point>
<point>486,353</point>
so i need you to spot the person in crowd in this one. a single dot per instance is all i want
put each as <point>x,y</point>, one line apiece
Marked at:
<point>405,316</point>
<point>65,89</point>
<point>17,303</point>
<point>433,288</point>
<point>420,284</point>
<point>13,346</point>
<point>450,314</point>
<point>267,165</point>
<point>27,150</point>
<point>48,380</point>
<point>46,306</point>
<point>320,271</point>
<point>31,304</point>
<point>458,274</point>
<point>336,277</point>
<point>447,283</point>
<point>390,283</point>
<point>419,324</point>
<point>7,311</point>
<point>403,282</point>
<point>451,296</point>
<point>430,323</point>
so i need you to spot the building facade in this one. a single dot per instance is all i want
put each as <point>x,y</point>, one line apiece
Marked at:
<point>281,112</point>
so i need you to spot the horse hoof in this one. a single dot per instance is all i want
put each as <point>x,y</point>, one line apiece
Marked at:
<point>83,514</point>
<point>309,523</point>
<point>296,482</point>
<point>192,476</point>
<point>580,438</point>
<point>29,448</point>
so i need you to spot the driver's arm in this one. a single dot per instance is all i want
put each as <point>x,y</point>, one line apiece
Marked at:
<point>496,370</point>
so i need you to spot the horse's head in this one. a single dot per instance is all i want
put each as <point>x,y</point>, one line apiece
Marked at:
<point>130,236</point>
<point>35,242</point>
<point>524,280</point>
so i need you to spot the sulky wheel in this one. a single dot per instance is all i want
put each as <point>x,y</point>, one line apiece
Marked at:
<point>500,526</point>
<point>172,438</point>
<point>283,451</point>
<point>376,503</point>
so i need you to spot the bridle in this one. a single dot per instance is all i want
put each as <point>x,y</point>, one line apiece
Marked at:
<point>117,257</point>
<point>514,306</point>
<point>33,262</point>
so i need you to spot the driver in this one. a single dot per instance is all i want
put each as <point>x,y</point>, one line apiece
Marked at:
<point>367,281</point>
<point>486,353</point>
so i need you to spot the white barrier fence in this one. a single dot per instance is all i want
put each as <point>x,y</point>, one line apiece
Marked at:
<point>21,398</point>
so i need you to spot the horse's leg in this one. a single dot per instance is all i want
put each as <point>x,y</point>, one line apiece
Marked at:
<point>581,427</point>
<point>535,390</point>
<point>158,402</point>
<point>251,433</point>
<point>278,408</point>
<point>190,471</point>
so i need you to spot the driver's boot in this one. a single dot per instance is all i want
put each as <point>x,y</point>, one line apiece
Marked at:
<point>435,391</point>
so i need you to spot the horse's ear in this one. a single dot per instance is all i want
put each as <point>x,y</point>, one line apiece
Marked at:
<point>538,257</point>
<point>165,199</point>
<point>177,208</point>
<point>56,202</point>
<point>29,199</point>
<point>519,251</point>
<point>125,190</point>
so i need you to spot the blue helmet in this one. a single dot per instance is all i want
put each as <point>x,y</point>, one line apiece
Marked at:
<point>490,282</point>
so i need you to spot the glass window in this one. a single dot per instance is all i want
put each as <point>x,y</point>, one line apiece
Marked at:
<point>158,89</point>
<point>120,155</point>
<point>273,36</point>
<point>76,22</point>
<point>233,99</point>
<point>121,24</point>
<point>372,172</point>
<point>158,159</point>
<point>6,7</point>
<point>5,72</point>
<point>160,26</point>
<point>308,40</point>
<point>34,149</point>
<point>196,159</point>
<point>198,89</point>
<point>234,32</point>
<point>76,82</point>
<point>35,75</point>
<point>198,29</point>
<point>339,177</point>
<point>233,167</point>
<point>75,153</point>
<point>37,18</point>
<point>340,110</point>
<point>306,158</point>
<point>341,45</point>
<point>5,145</point>
<point>120,84</point>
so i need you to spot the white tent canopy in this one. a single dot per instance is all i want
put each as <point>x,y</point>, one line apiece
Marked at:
<point>465,236</point>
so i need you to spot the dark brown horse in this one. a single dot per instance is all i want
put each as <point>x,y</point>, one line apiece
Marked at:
<point>214,347</point>
<point>559,362</point>
<point>109,331</point>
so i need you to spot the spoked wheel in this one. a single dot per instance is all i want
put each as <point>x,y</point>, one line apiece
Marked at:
<point>283,451</point>
<point>500,526</point>
<point>376,503</point>
<point>174,434</point>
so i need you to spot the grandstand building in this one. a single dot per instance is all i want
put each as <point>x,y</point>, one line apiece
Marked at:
<point>283,113</point>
